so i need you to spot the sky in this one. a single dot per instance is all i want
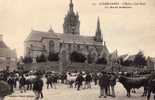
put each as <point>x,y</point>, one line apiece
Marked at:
<point>128,30</point>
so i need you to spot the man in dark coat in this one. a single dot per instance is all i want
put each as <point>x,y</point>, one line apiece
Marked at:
<point>49,81</point>
<point>10,82</point>
<point>103,83</point>
<point>54,80</point>
<point>88,80</point>
<point>22,83</point>
<point>37,87</point>
<point>95,78</point>
<point>79,81</point>
<point>112,84</point>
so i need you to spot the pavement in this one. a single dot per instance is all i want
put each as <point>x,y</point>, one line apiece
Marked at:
<point>63,92</point>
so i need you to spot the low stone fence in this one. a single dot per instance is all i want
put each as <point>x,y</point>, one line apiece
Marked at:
<point>55,66</point>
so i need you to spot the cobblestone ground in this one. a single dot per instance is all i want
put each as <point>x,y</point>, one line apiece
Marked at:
<point>64,93</point>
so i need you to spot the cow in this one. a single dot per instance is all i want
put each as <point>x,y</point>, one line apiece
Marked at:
<point>5,89</point>
<point>132,83</point>
<point>151,88</point>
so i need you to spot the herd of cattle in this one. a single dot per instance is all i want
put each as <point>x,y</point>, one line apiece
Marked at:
<point>128,80</point>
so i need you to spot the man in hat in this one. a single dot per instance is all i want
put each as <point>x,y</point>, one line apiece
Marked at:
<point>112,83</point>
<point>79,81</point>
<point>103,83</point>
<point>88,80</point>
<point>38,86</point>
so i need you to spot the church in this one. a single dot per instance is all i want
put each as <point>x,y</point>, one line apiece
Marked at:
<point>65,43</point>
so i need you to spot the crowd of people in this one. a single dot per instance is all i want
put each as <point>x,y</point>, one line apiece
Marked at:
<point>33,81</point>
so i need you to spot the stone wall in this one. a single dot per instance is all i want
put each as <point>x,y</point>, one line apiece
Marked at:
<point>55,66</point>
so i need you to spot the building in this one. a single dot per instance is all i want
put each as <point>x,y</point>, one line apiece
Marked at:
<point>151,63</point>
<point>8,57</point>
<point>65,43</point>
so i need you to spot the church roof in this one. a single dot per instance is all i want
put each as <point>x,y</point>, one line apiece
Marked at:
<point>39,35</point>
<point>131,57</point>
<point>66,38</point>
<point>70,38</point>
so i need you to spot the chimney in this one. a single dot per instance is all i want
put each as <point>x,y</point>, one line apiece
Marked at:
<point>1,37</point>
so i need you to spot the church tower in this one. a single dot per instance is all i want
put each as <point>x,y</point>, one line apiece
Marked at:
<point>98,35</point>
<point>71,23</point>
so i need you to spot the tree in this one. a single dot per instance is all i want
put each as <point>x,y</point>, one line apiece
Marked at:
<point>140,60</point>
<point>101,61</point>
<point>127,63</point>
<point>53,56</point>
<point>41,58</point>
<point>27,60</point>
<point>77,57</point>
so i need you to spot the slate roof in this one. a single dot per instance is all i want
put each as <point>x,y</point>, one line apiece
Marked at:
<point>70,38</point>
<point>38,35</point>
<point>65,38</point>
<point>130,57</point>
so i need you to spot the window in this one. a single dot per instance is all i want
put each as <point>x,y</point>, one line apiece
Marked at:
<point>51,46</point>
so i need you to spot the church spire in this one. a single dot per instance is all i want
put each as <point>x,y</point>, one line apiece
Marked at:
<point>98,35</point>
<point>98,30</point>
<point>71,21</point>
<point>71,5</point>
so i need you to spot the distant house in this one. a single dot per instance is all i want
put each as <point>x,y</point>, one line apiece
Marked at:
<point>151,62</point>
<point>8,57</point>
<point>131,58</point>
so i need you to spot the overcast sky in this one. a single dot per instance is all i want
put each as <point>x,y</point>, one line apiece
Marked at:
<point>128,30</point>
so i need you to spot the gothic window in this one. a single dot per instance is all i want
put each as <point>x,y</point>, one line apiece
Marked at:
<point>94,55</point>
<point>87,48</point>
<point>78,47</point>
<point>60,45</point>
<point>69,47</point>
<point>31,46</point>
<point>44,47</point>
<point>51,46</point>
<point>27,50</point>
<point>63,57</point>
